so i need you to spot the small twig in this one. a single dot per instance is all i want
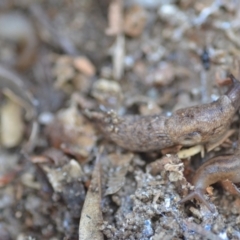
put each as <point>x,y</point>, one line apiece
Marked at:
<point>206,12</point>
<point>11,81</point>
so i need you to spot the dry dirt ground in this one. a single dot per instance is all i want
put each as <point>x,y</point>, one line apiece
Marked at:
<point>60,176</point>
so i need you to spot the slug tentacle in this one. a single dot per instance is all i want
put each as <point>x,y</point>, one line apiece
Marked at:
<point>198,194</point>
<point>214,170</point>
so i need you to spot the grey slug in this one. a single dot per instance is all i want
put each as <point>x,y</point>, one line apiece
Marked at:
<point>188,126</point>
<point>214,170</point>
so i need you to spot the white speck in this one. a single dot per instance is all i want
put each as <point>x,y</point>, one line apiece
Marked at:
<point>167,202</point>
<point>169,114</point>
<point>128,61</point>
<point>214,97</point>
<point>223,235</point>
<point>168,9</point>
<point>45,118</point>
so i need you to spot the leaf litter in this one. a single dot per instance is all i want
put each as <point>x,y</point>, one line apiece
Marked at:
<point>144,58</point>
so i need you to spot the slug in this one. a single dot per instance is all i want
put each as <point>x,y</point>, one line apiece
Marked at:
<point>214,170</point>
<point>186,127</point>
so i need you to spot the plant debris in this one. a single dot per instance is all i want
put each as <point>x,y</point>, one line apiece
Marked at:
<point>61,61</point>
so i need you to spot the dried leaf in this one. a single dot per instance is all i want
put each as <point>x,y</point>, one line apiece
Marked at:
<point>68,173</point>
<point>63,70</point>
<point>135,21</point>
<point>209,190</point>
<point>72,133</point>
<point>158,165</point>
<point>91,216</point>
<point>115,18</point>
<point>82,64</point>
<point>118,171</point>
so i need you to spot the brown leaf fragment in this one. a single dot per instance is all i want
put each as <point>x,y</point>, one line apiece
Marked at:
<point>63,71</point>
<point>57,156</point>
<point>134,21</point>
<point>58,177</point>
<point>82,64</point>
<point>115,18</point>
<point>157,166</point>
<point>209,190</point>
<point>222,81</point>
<point>66,182</point>
<point>91,216</point>
<point>74,150</point>
<point>118,172</point>
<point>116,181</point>
<point>173,149</point>
<point>71,133</point>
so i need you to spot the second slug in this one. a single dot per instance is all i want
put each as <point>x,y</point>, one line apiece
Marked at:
<point>186,127</point>
<point>214,170</point>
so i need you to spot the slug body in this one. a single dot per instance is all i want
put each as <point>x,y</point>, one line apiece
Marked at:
<point>135,133</point>
<point>214,170</point>
<point>186,127</point>
<point>217,169</point>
